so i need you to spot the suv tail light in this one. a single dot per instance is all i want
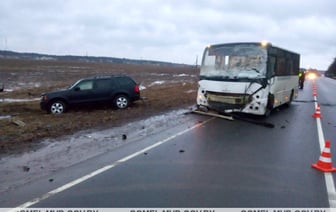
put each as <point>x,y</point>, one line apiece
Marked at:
<point>136,89</point>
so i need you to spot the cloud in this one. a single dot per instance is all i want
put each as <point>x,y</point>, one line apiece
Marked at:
<point>175,31</point>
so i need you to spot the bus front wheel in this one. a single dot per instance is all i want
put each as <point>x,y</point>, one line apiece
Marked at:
<point>270,104</point>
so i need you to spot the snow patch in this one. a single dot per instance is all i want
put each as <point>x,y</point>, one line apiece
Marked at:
<point>18,100</point>
<point>160,82</point>
<point>5,117</point>
<point>181,75</point>
<point>141,87</point>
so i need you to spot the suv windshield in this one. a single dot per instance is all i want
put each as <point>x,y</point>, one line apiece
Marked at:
<point>234,61</point>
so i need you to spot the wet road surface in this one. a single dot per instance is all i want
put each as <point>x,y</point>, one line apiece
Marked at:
<point>204,162</point>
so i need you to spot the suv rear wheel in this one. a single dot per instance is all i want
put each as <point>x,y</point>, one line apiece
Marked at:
<point>57,107</point>
<point>121,101</point>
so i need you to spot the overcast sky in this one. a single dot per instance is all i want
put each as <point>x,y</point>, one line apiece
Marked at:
<point>168,30</point>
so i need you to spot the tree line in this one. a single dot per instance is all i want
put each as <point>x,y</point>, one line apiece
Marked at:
<point>331,72</point>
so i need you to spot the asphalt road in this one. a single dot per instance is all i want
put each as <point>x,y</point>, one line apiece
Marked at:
<point>206,162</point>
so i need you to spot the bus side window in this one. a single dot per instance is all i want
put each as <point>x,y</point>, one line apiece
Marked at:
<point>271,66</point>
<point>281,67</point>
<point>290,67</point>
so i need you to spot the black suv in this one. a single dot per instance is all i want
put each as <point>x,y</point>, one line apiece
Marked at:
<point>116,90</point>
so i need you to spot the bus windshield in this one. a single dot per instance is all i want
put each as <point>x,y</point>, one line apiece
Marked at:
<point>234,61</point>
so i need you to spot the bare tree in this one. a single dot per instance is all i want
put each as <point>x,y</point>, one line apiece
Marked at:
<point>331,72</point>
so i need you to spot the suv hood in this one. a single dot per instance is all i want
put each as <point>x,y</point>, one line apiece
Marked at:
<point>53,93</point>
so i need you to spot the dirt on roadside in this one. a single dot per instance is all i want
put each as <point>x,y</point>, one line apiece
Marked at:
<point>23,125</point>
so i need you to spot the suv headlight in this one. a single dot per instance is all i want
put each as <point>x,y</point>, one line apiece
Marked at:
<point>44,98</point>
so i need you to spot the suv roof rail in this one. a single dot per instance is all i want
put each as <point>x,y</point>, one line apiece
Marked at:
<point>107,76</point>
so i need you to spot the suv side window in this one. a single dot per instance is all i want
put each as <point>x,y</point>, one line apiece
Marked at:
<point>125,82</point>
<point>85,85</point>
<point>103,84</point>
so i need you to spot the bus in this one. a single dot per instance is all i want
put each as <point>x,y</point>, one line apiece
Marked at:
<point>252,78</point>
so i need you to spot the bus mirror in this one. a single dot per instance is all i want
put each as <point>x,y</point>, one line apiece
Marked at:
<point>271,80</point>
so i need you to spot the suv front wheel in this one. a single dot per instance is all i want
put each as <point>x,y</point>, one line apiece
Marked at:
<point>57,107</point>
<point>121,101</point>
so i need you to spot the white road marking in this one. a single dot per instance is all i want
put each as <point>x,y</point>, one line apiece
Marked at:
<point>105,168</point>
<point>327,175</point>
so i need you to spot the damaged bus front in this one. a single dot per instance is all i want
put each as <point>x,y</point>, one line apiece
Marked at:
<point>247,77</point>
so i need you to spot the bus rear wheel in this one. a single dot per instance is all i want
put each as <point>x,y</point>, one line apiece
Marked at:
<point>290,99</point>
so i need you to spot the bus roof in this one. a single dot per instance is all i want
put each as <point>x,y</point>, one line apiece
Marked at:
<point>266,44</point>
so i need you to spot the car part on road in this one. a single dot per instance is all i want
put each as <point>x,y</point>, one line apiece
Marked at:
<point>232,117</point>
<point>253,121</point>
<point>213,114</point>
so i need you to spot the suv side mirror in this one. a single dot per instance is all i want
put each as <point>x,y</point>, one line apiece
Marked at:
<point>77,89</point>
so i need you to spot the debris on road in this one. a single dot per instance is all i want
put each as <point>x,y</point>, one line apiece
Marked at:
<point>18,122</point>
<point>124,136</point>
<point>25,168</point>
<point>210,113</point>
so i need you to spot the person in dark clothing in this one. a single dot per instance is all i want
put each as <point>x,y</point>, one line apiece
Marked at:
<point>301,79</point>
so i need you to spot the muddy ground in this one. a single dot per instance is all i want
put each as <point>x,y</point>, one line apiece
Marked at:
<point>35,144</point>
<point>23,126</point>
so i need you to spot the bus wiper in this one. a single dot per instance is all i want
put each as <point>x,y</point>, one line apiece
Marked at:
<point>224,78</point>
<point>256,70</point>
